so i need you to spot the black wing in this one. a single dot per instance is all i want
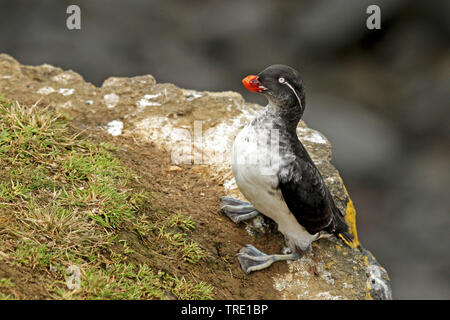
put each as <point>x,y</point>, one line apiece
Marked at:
<point>307,196</point>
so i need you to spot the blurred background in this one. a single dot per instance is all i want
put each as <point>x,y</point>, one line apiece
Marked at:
<point>380,96</point>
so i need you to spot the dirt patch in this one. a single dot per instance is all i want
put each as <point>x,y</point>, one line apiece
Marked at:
<point>25,283</point>
<point>191,190</point>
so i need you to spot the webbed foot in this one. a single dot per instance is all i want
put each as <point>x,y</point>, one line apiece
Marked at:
<point>237,210</point>
<point>251,259</point>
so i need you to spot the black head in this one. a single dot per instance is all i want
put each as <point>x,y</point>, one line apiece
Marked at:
<point>282,86</point>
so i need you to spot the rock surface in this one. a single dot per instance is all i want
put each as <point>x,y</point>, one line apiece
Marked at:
<point>199,128</point>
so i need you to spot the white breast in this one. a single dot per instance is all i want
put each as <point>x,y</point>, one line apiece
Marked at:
<point>255,165</point>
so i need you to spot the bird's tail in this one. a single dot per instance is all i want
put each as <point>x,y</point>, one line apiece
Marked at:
<point>342,230</point>
<point>347,236</point>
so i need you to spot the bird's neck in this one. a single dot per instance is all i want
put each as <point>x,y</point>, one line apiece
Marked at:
<point>282,118</point>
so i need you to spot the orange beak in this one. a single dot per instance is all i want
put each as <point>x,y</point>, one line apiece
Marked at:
<point>252,83</point>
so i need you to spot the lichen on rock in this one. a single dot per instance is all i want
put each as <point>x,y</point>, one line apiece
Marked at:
<point>200,128</point>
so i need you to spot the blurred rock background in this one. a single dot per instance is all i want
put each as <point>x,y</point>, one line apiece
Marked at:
<point>380,96</point>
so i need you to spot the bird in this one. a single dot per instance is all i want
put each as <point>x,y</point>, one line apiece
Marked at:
<point>277,176</point>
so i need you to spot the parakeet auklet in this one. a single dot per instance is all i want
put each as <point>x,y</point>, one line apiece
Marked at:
<point>275,173</point>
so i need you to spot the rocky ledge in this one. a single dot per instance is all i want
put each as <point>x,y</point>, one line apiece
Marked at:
<point>198,128</point>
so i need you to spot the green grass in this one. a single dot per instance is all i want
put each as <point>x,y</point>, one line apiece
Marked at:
<point>63,201</point>
<point>127,281</point>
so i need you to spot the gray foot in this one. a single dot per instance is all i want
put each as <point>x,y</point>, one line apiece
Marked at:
<point>251,259</point>
<point>237,210</point>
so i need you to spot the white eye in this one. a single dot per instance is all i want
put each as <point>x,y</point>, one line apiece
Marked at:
<point>281,80</point>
